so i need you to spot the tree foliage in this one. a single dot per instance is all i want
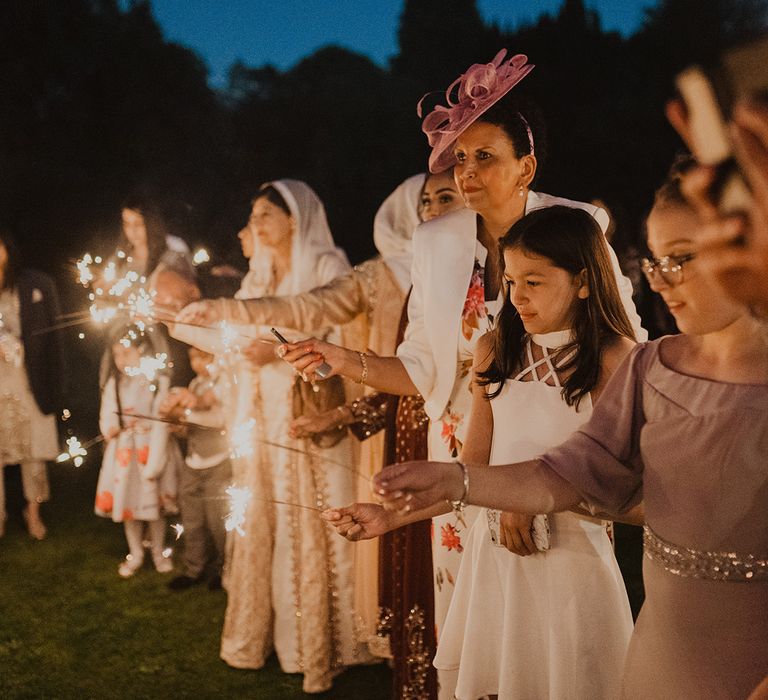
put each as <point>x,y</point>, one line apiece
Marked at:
<point>95,102</point>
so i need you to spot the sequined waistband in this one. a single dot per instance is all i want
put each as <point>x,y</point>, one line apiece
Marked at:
<point>695,563</point>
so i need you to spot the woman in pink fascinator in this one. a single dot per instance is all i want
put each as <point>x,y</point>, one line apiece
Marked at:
<point>494,139</point>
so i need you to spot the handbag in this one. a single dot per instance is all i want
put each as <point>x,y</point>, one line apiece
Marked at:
<point>540,532</point>
<point>311,399</point>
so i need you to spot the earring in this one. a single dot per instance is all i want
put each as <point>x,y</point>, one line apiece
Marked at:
<point>521,192</point>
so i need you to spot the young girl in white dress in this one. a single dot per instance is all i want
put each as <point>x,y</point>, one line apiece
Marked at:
<point>525,623</point>
<point>134,486</point>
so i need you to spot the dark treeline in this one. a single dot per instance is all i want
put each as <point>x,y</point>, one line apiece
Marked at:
<point>95,103</point>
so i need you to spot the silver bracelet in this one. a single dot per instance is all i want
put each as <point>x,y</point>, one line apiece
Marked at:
<point>460,505</point>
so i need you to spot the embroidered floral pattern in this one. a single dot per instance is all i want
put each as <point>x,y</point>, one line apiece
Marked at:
<point>474,304</point>
<point>451,421</point>
<point>450,539</point>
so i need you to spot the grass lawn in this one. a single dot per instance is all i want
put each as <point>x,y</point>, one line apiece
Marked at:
<point>71,628</point>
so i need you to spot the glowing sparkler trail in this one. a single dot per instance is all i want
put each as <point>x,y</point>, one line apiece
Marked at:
<point>312,455</point>
<point>201,256</point>
<point>149,366</point>
<point>241,439</point>
<point>77,451</point>
<point>178,528</point>
<point>238,505</point>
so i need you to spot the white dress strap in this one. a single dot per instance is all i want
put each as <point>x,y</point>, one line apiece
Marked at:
<point>551,368</point>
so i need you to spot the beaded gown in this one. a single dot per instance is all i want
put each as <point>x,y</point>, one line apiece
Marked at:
<point>694,449</point>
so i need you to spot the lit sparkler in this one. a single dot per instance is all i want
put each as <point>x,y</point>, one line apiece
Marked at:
<point>75,451</point>
<point>241,439</point>
<point>238,505</point>
<point>178,528</point>
<point>148,366</point>
<point>201,256</point>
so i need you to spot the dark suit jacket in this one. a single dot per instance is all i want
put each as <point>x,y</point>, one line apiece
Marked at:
<point>43,352</point>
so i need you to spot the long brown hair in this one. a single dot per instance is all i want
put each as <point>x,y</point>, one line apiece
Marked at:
<point>572,240</point>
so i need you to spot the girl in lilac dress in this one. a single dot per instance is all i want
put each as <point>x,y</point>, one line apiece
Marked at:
<point>683,424</point>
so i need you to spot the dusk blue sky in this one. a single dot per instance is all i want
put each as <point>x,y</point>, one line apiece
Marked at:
<point>281,32</point>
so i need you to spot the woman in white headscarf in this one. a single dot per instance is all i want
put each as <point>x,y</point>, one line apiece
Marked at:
<point>288,580</point>
<point>369,300</point>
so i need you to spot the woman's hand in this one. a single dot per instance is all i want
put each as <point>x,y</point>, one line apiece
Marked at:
<point>416,485</point>
<point>260,352</point>
<point>360,521</point>
<point>515,533</point>
<point>199,313</point>
<point>307,426</point>
<point>307,355</point>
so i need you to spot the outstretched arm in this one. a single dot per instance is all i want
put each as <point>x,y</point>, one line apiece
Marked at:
<point>528,487</point>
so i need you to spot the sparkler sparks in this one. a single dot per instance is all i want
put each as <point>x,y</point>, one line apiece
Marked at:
<point>240,439</point>
<point>178,528</point>
<point>75,451</point>
<point>149,367</point>
<point>239,498</point>
<point>201,256</point>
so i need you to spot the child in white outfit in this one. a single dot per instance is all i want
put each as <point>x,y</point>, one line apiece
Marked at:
<point>133,483</point>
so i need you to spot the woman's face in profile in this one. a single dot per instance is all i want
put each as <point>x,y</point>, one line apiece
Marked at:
<point>270,224</point>
<point>134,228</point>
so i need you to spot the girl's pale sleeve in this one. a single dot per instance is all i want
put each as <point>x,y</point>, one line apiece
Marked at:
<point>158,435</point>
<point>415,351</point>
<point>602,459</point>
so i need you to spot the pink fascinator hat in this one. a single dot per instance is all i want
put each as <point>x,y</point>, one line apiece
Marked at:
<point>476,91</point>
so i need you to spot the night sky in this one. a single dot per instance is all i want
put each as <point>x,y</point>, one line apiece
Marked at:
<point>281,32</point>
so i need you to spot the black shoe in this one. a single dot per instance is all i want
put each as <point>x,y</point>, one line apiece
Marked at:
<point>181,583</point>
<point>214,583</point>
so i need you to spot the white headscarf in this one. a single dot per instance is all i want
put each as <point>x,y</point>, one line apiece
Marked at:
<point>393,228</point>
<point>315,259</point>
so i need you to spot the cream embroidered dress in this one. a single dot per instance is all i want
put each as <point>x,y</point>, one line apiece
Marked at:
<point>289,577</point>
<point>554,624</point>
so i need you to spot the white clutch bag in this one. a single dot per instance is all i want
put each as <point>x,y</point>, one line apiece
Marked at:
<point>539,529</point>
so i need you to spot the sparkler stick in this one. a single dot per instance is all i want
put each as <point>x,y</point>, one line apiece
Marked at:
<point>261,441</point>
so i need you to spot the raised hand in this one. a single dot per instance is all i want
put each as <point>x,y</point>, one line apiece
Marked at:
<point>307,355</point>
<point>360,521</point>
<point>260,352</point>
<point>199,313</point>
<point>416,485</point>
<point>307,426</point>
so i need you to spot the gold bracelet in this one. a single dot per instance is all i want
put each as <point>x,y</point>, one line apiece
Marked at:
<point>364,363</point>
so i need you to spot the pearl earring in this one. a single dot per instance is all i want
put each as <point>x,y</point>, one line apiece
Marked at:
<point>521,193</point>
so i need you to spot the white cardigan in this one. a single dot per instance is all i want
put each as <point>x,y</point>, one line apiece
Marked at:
<point>443,259</point>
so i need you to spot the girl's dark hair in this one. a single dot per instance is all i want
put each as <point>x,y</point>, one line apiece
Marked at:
<point>271,194</point>
<point>572,240</point>
<point>13,266</point>
<point>515,113</point>
<point>157,232</point>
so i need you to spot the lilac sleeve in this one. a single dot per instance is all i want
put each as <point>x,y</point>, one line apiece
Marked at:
<point>602,460</point>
